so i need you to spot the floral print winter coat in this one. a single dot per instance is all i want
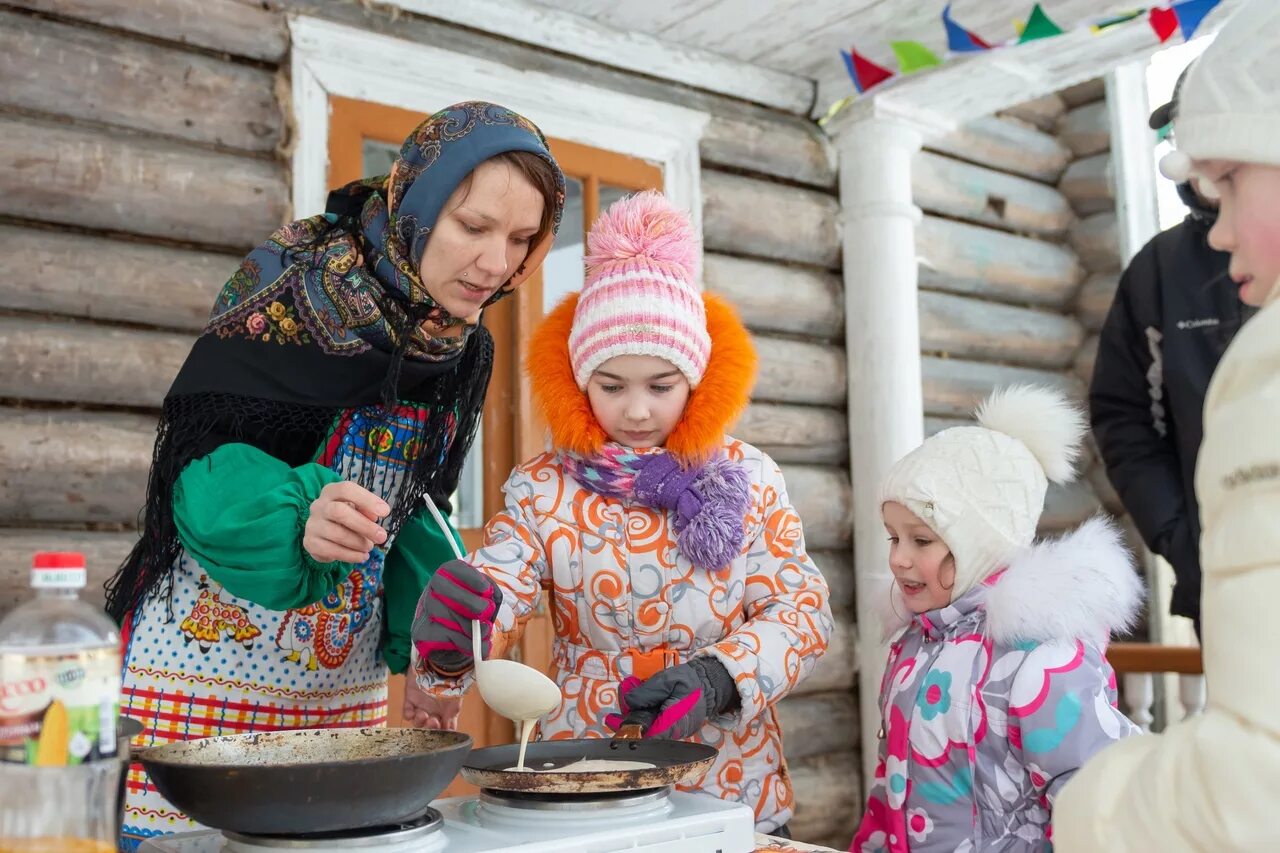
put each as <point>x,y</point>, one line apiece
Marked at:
<point>992,703</point>
<point>617,584</point>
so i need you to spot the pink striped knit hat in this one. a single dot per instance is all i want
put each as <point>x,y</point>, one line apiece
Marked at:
<point>641,296</point>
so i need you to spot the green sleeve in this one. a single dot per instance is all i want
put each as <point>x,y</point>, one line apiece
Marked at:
<point>418,551</point>
<point>240,513</point>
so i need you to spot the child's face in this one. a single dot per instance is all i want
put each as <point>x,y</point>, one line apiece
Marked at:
<point>1248,224</point>
<point>638,399</point>
<point>920,561</point>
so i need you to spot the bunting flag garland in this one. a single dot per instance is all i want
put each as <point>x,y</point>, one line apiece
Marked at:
<point>960,40</point>
<point>913,56</point>
<point>1038,26</point>
<point>1166,20</point>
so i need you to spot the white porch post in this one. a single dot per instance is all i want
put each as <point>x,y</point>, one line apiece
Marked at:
<point>882,334</point>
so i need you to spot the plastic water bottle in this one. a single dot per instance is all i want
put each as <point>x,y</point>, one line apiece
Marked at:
<point>59,702</point>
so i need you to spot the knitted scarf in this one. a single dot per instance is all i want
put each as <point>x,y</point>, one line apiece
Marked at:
<point>709,501</point>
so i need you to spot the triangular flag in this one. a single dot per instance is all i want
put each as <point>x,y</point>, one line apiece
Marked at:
<point>1019,27</point>
<point>1164,22</point>
<point>865,73</point>
<point>913,56</point>
<point>960,40</point>
<point>1191,14</point>
<point>1039,26</point>
<point>1116,21</point>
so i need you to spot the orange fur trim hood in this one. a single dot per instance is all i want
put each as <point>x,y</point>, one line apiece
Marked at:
<point>713,406</point>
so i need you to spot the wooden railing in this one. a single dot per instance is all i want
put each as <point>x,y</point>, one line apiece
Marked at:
<point>1136,664</point>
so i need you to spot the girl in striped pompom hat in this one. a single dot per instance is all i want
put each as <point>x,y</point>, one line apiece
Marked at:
<point>684,599</point>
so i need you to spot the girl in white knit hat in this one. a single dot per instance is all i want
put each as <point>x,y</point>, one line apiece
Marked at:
<point>668,551</point>
<point>1210,783</point>
<point>997,688</point>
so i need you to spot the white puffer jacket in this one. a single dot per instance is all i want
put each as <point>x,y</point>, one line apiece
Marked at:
<point>1211,783</point>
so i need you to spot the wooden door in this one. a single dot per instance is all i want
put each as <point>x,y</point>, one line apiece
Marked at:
<point>364,138</point>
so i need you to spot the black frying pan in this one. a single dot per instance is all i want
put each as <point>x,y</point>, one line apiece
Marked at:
<point>674,761</point>
<point>306,781</point>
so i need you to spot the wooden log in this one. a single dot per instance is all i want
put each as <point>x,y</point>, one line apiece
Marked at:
<point>823,498</point>
<point>116,182</point>
<point>775,298</point>
<point>54,272</point>
<point>751,217</point>
<point>954,388</point>
<point>1089,184</point>
<point>1086,130</point>
<point>970,328</point>
<point>103,551</point>
<point>761,141</point>
<point>979,194</point>
<point>1146,657</point>
<point>251,28</point>
<point>1084,93</point>
<point>837,669</point>
<point>1096,240</point>
<point>828,794</point>
<point>1067,507</point>
<point>796,433</point>
<point>79,363</point>
<point>1008,145</point>
<point>1043,112</point>
<point>73,467</point>
<point>1095,298</point>
<point>95,75</point>
<point>800,372</point>
<point>1086,359</point>
<point>968,259</point>
<point>818,724</point>
<point>837,569</point>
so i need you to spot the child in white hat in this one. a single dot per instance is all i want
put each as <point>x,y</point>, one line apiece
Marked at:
<point>997,688</point>
<point>1210,783</point>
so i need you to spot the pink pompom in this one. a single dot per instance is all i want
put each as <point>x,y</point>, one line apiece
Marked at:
<point>644,227</point>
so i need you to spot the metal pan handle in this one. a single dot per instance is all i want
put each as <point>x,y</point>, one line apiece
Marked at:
<point>633,728</point>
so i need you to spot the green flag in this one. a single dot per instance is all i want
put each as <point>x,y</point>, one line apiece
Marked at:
<point>913,56</point>
<point>1039,26</point>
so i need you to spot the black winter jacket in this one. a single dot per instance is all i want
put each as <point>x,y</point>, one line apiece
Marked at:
<point>1174,314</point>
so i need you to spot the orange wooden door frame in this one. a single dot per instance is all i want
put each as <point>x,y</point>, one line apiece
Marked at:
<point>512,430</point>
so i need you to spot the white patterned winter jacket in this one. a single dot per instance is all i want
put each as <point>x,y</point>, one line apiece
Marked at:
<point>992,703</point>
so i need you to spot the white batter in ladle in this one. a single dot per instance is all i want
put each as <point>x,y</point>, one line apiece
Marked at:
<point>518,692</point>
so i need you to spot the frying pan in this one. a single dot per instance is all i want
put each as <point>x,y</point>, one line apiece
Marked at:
<point>308,780</point>
<point>674,762</point>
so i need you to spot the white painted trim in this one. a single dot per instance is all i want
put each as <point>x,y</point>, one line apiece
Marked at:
<point>332,59</point>
<point>1137,213</point>
<point>577,35</point>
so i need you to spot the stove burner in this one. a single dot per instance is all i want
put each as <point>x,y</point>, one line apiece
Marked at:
<point>428,823</point>
<point>593,802</point>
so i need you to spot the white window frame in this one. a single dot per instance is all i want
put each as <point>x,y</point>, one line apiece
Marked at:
<point>333,59</point>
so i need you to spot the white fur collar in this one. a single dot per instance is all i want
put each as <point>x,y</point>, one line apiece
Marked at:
<point>1082,585</point>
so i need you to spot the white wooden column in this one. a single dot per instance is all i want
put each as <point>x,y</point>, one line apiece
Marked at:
<point>882,333</point>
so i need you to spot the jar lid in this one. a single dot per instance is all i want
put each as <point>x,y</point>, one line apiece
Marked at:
<point>58,570</point>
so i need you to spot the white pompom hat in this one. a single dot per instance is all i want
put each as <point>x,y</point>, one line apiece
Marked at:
<point>981,488</point>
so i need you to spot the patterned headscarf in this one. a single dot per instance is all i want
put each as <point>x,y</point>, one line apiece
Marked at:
<point>329,314</point>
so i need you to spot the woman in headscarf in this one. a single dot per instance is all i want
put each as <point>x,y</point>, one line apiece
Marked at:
<point>338,383</point>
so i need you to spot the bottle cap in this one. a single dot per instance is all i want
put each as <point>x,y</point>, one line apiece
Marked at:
<point>58,570</point>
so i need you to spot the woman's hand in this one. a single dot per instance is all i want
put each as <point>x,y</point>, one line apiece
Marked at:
<point>343,524</point>
<point>424,711</point>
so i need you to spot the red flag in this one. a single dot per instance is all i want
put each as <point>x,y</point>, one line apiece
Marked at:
<point>866,73</point>
<point>1164,22</point>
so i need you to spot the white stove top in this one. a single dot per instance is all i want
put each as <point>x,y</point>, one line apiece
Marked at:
<point>678,823</point>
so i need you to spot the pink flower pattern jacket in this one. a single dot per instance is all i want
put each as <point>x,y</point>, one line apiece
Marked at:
<point>992,703</point>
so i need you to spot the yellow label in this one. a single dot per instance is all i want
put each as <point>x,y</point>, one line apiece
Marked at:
<point>59,709</point>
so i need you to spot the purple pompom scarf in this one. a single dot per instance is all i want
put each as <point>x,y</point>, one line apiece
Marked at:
<point>709,501</point>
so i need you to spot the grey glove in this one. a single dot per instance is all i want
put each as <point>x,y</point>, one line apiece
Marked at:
<point>679,700</point>
<point>455,595</point>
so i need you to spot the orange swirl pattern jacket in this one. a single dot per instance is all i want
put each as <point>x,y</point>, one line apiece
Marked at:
<point>617,584</point>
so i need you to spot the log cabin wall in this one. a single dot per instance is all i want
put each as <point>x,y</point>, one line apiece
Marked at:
<point>143,150</point>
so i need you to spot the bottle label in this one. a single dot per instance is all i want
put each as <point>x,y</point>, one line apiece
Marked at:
<point>59,709</point>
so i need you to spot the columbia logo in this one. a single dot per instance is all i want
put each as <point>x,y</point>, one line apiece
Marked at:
<point>1198,324</point>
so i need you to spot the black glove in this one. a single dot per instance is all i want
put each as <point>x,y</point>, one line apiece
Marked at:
<point>455,595</point>
<point>680,700</point>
